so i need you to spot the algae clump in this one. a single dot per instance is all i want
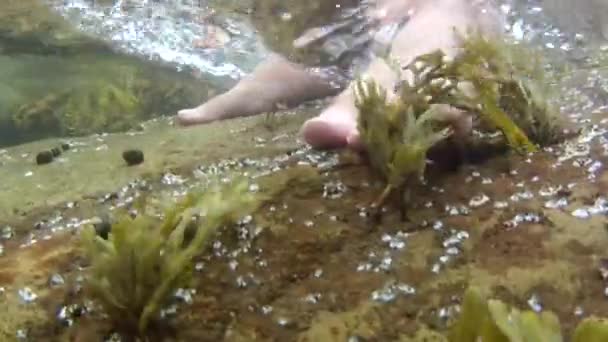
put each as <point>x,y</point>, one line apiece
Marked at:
<point>399,139</point>
<point>143,262</point>
<point>500,85</point>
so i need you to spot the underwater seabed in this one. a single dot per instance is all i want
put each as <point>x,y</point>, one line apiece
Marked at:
<point>310,265</point>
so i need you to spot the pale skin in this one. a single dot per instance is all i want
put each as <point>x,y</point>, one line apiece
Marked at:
<point>277,83</point>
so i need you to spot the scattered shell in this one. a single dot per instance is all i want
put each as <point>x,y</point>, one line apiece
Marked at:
<point>581,213</point>
<point>6,233</point>
<point>522,218</point>
<point>334,189</point>
<point>500,204</point>
<point>534,303</point>
<point>312,298</point>
<point>283,321</point>
<point>56,280</point>
<point>27,295</point>
<point>479,200</point>
<point>67,314</point>
<point>172,179</point>
<point>457,210</point>
<point>526,195</point>
<point>396,241</point>
<point>185,295</point>
<point>487,181</point>
<point>390,291</point>
<point>556,203</point>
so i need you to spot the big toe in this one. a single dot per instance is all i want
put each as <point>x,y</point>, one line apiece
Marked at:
<point>188,117</point>
<point>324,134</point>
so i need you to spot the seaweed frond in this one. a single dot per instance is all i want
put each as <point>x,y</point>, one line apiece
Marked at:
<point>500,84</point>
<point>495,321</point>
<point>399,140</point>
<point>143,262</point>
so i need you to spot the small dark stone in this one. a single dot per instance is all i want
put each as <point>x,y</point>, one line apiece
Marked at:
<point>56,152</point>
<point>65,146</point>
<point>133,157</point>
<point>103,228</point>
<point>44,157</point>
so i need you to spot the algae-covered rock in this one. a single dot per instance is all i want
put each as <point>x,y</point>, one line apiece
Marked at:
<point>58,81</point>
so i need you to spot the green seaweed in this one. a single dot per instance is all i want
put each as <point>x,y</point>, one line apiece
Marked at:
<point>400,140</point>
<point>592,329</point>
<point>495,321</point>
<point>498,83</point>
<point>135,271</point>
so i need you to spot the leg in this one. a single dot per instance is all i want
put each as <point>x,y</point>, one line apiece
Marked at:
<point>276,83</point>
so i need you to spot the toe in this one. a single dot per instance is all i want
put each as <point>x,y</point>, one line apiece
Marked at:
<point>323,134</point>
<point>187,117</point>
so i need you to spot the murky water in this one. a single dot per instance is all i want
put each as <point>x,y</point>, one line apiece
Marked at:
<point>311,265</point>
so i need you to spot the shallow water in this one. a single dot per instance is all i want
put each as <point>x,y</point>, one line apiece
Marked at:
<point>310,265</point>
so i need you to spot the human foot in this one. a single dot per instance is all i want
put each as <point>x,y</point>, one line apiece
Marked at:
<point>274,84</point>
<point>192,116</point>
<point>224,106</point>
<point>336,127</point>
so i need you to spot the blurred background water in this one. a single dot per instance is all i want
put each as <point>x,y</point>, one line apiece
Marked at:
<point>75,67</point>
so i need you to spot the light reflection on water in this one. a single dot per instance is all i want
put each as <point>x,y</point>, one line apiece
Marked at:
<point>170,30</point>
<point>186,33</point>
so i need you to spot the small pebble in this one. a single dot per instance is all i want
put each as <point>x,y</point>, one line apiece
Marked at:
<point>133,157</point>
<point>44,157</point>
